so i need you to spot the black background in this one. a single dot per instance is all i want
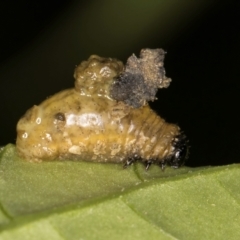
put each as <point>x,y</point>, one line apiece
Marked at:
<point>202,59</point>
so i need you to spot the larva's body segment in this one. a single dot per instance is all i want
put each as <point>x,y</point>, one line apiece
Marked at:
<point>87,123</point>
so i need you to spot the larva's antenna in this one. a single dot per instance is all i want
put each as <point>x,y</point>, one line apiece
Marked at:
<point>141,78</point>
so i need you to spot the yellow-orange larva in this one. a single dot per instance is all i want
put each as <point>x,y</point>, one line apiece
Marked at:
<point>106,117</point>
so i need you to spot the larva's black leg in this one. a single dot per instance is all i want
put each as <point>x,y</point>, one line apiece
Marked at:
<point>163,165</point>
<point>148,164</point>
<point>129,162</point>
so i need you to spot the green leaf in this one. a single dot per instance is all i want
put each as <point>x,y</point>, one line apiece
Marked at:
<point>82,200</point>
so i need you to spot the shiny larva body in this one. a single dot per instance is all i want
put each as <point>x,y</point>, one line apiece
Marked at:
<point>69,125</point>
<point>86,123</point>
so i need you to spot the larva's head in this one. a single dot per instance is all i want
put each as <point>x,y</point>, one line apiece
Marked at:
<point>181,151</point>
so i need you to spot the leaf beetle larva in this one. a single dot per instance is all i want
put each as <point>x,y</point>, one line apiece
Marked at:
<point>106,117</point>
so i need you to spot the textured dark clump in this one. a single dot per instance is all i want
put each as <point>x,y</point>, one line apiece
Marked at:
<point>141,78</point>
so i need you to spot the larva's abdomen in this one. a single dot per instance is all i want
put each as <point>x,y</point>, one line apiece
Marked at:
<point>151,136</point>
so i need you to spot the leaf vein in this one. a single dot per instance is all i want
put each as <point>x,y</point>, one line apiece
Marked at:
<point>149,222</point>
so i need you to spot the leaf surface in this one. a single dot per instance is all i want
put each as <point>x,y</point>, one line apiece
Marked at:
<point>83,200</point>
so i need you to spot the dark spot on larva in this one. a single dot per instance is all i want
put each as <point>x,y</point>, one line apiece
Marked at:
<point>60,116</point>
